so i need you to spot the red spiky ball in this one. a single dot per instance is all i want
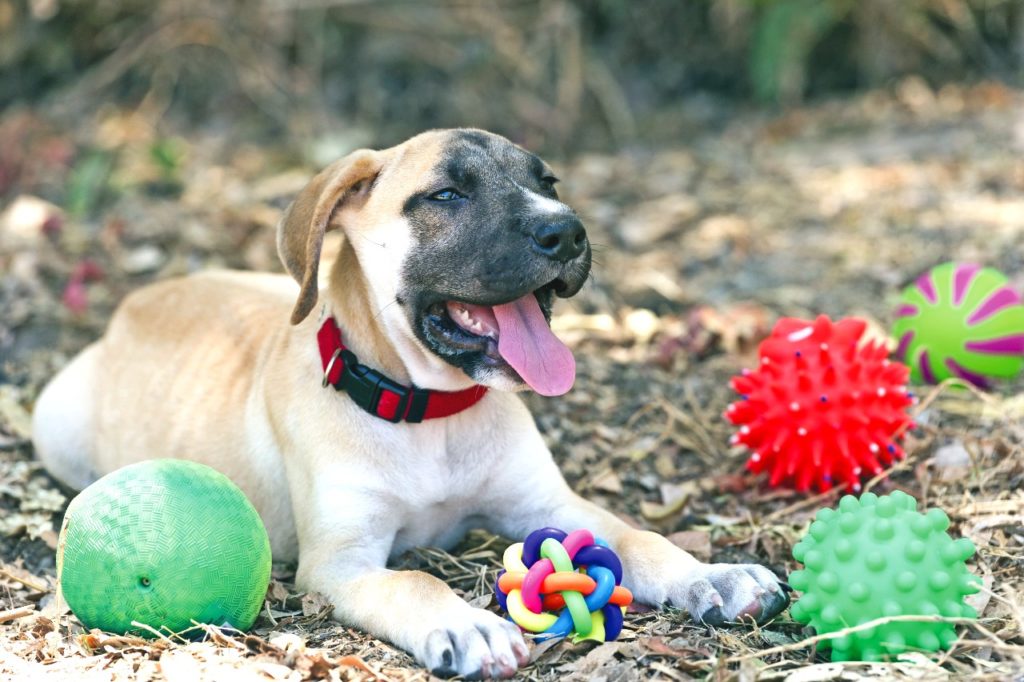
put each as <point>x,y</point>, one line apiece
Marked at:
<point>822,409</point>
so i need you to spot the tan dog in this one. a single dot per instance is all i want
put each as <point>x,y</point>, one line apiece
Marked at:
<point>455,244</point>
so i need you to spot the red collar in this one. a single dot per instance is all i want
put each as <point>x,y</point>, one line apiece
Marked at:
<point>378,394</point>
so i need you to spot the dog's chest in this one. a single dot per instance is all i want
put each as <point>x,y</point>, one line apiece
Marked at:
<point>441,490</point>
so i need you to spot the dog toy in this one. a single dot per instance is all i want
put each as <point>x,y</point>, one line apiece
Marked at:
<point>822,408</point>
<point>961,320</point>
<point>571,574</point>
<point>879,557</point>
<point>163,543</point>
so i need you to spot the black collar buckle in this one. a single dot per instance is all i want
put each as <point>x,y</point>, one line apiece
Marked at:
<point>366,386</point>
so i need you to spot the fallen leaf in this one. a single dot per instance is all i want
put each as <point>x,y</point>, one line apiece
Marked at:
<point>674,497</point>
<point>658,646</point>
<point>315,666</point>
<point>608,481</point>
<point>980,600</point>
<point>15,418</point>
<point>316,604</point>
<point>696,542</point>
<point>596,658</point>
<point>277,592</point>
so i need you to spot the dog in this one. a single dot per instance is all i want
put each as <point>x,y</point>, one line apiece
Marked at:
<point>388,420</point>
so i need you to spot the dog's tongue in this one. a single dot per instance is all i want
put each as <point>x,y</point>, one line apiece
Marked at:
<point>532,349</point>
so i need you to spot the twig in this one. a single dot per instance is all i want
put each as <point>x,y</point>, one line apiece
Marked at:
<point>218,635</point>
<point>27,583</point>
<point>16,613</point>
<point>149,628</point>
<point>800,504</point>
<point>941,388</point>
<point>270,616</point>
<point>804,643</point>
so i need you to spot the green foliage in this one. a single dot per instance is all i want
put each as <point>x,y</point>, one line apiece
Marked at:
<point>167,154</point>
<point>939,39</point>
<point>786,33</point>
<point>88,182</point>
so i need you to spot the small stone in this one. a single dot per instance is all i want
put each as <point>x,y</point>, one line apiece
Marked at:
<point>145,258</point>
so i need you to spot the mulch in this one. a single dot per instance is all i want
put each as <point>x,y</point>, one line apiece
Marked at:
<point>701,245</point>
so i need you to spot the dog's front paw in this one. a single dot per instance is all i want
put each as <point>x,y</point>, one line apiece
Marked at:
<point>476,645</point>
<point>718,593</point>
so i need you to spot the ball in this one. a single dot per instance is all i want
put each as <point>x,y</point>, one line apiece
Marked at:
<point>163,543</point>
<point>822,408</point>
<point>961,320</point>
<point>556,583</point>
<point>879,557</point>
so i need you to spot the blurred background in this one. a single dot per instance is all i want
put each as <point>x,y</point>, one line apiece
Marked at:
<point>773,156</point>
<point>561,76</point>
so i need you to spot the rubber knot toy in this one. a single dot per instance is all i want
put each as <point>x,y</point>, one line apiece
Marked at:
<point>879,557</point>
<point>823,408</point>
<point>556,583</point>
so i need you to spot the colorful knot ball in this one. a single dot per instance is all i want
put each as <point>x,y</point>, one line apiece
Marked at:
<point>879,557</point>
<point>823,408</point>
<point>961,320</point>
<point>556,583</point>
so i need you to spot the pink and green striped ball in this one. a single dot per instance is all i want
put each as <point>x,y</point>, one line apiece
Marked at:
<point>961,320</point>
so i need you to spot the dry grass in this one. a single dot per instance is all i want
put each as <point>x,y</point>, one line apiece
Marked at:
<point>826,209</point>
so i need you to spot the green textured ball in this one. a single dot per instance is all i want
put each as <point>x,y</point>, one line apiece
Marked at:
<point>879,557</point>
<point>163,542</point>
<point>961,320</point>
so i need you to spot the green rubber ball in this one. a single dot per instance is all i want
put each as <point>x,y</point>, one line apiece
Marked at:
<point>961,320</point>
<point>164,542</point>
<point>879,557</point>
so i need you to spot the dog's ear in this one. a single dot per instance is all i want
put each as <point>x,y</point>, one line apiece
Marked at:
<point>300,234</point>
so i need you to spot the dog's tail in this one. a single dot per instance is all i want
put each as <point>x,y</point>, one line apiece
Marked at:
<point>63,421</point>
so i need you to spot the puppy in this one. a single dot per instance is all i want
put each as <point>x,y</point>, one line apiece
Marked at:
<point>388,420</point>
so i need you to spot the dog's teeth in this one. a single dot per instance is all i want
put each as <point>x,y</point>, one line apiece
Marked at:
<point>463,316</point>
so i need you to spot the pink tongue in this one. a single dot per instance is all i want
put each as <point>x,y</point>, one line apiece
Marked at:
<point>531,348</point>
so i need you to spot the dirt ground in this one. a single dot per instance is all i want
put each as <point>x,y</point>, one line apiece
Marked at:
<point>700,245</point>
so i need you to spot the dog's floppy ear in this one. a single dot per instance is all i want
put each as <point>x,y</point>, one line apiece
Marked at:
<point>300,234</point>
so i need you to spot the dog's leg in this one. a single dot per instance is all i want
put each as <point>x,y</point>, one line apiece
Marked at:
<point>655,570</point>
<point>411,609</point>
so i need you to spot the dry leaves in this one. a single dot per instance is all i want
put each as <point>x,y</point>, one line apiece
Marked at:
<point>697,251</point>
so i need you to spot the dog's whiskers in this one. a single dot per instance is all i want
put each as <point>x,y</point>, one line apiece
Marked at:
<point>382,245</point>
<point>385,307</point>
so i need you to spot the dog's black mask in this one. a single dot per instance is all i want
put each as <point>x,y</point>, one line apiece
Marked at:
<point>490,230</point>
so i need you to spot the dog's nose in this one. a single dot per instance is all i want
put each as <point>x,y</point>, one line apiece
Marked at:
<point>562,239</point>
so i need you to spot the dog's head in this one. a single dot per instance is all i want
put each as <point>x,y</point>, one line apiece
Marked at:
<point>463,244</point>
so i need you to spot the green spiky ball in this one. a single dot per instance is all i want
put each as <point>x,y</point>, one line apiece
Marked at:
<point>163,542</point>
<point>877,557</point>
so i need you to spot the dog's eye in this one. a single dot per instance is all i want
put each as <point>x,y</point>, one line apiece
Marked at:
<point>447,194</point>
<point>547,183</point>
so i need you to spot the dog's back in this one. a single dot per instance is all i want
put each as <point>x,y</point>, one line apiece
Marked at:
<point>163,340</point>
